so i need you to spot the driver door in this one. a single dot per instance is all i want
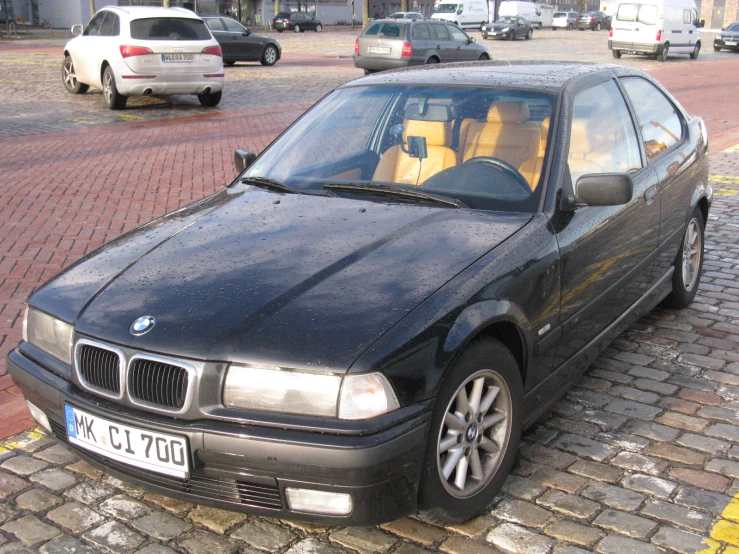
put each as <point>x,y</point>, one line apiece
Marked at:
<point>607,252</point>
<point>83,48</point>
<point>464,51</point>
<point>246,48</point>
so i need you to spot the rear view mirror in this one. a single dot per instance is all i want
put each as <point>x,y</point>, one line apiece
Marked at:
<point>604,189</point>
<point>243,159</point>
<point>76,30</point>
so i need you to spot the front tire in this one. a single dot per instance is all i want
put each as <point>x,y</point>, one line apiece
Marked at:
<point>69,78</point>
<point>296,29</point>
<point>717,49</point>
<point>319,28</point>
<point>688,264</point>
<point>113,99</point>
<point>269,57</point>
<point>474,432</point>
<point>512,35</point>
<point>529,34</point>
<point>210,100</point>
<point>696,51</point>
<point>483,58</point>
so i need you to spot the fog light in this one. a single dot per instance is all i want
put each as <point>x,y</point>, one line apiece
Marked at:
<point>40,417</point>
<point>319,502</point>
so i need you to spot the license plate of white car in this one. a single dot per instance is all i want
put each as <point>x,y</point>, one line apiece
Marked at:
<point>178,58</point>
<point>139,447</point>
<point>378,50</point>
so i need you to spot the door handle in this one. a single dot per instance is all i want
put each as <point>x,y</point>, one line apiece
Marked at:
<point>438,47</point>
<point>649,195</point>
<point>459,47</point>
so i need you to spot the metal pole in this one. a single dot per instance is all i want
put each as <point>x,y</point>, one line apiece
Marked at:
<point>7,16</point>
<point>165,3</point>
<point>92,8</point>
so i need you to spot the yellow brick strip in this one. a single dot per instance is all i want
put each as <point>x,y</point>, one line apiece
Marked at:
<point>732,149</point>
<point>725,531</point>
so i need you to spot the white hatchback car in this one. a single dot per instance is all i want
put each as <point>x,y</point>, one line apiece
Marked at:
<point>133,51</point>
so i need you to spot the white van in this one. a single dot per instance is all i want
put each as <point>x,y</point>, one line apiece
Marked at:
<point>527,10</point>
<point>464,13</point>
<point>657,28</point>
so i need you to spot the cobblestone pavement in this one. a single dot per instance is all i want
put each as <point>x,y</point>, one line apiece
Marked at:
<point>34,101</point>
<point>641,456</point>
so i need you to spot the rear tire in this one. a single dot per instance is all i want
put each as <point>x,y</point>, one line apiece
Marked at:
<point>696,51</point>
<point>210,100</point>
<point>688,267</point>
<point>432,61</point>
<point>465,467</point>
<point>229,63</point>
<point>69,78</point>
<point>113,99</point>
<point>269,57</point>
<point>616,54</point>
<point>598,27</point>
<point>529,34</point>
<point>665,51</point>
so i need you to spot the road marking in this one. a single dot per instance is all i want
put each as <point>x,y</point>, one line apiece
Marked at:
<point>725,179</point>
<point>732,149</point>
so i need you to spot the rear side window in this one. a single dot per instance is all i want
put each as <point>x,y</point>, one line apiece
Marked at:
<point>386,29</point>
<point>420,32</point>
<point>169,28</point>
<point>659,121</point>
<point>439,32</point>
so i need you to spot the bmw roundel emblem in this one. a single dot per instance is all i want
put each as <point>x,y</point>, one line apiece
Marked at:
<point>142,325</point>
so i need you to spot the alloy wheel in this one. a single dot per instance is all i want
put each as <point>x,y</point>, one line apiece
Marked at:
<point>108,87</point>
<point>475,434</point>
<point>70,77</point>
<point>270,55</point>
<point>692,249</point>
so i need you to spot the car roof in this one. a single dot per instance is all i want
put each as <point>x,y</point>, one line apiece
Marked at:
<point>138,12</point>
<point>546,76</point>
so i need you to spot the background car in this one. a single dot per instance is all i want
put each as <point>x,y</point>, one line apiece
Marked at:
<point>394,43</point>
<point>593,20</point>
<point>509,28</point>
<point>296,21</point>
<point>406,15</point>
<point>564,20</point>
<point>240,44</point>
<point>728,38</point>
<point>133,51</point>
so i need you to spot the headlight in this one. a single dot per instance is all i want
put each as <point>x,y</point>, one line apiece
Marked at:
<point>50,334</point>
<point>295,392</point>
<point>279,390</point>
<point>504,30</point>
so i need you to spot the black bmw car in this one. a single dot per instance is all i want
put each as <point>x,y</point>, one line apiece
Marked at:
<point>728,38</point>
<point>362,323</point>
<point>508,27</point>
<point>240,44</point>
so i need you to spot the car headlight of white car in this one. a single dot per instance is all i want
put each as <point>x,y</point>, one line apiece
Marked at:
<point>317,394</point>
<point>49,334</point>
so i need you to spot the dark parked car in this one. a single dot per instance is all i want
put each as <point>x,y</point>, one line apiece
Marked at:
<point>728,38</point>
<point>296,21</point>
<point>593,20</point>
<point>394,43</point>
<point>240,44</point>
<point>361,324</point>
<point>508,27</point>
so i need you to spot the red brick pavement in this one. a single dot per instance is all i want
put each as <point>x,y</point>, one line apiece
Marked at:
<point>64,194</point>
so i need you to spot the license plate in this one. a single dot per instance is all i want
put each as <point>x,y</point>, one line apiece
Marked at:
<point>131,445</point>
<point>168,58</point>
<point>377,50</point>
<point>730,43</point>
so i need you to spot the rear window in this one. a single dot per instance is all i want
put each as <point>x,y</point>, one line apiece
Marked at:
<point>641,13</point>
<point>560,14</point>
<point>282,15</point>
<point>386,29</point>
<point>169,28</point>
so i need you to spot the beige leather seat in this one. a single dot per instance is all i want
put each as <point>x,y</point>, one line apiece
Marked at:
<point>503,135</point>
<point>396,166</point>
<point>531,168</point>
<point>580,157</point>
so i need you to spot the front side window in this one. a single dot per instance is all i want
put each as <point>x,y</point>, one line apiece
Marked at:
<point>93,27</point>
<point>481,146</point>
<point>661,126</point>
<point>233,27</point>
<point>169,28</point>
<point>602,134</point>
<point>458,36</point>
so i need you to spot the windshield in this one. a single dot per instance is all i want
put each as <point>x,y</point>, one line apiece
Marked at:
<point>446,8</point>
<point>506,20</point>
<point>641,13</point>
<point>169,28</point>
<point>733,27</point>
<point>482,147</point>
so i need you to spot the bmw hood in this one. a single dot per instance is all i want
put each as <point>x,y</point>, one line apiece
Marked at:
<point>285,279</point>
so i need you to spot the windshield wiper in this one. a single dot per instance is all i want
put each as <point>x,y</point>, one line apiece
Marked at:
<point>269,184</point>
<point>381,189</point>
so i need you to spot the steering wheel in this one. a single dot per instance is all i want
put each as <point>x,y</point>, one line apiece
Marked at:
<point>505,167</point>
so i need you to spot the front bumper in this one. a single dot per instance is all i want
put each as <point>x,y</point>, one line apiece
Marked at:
<point>492,33</point>
<point>246,468</point>
<point>732,44</point>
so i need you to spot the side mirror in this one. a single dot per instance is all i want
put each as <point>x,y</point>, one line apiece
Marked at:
<point>459,12</point>
<point>243,159</point>
<point>76,30</point>
<point>246,33</point>
<point>604,189</point>
<point>702,23</point>
<point>472,39</point>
